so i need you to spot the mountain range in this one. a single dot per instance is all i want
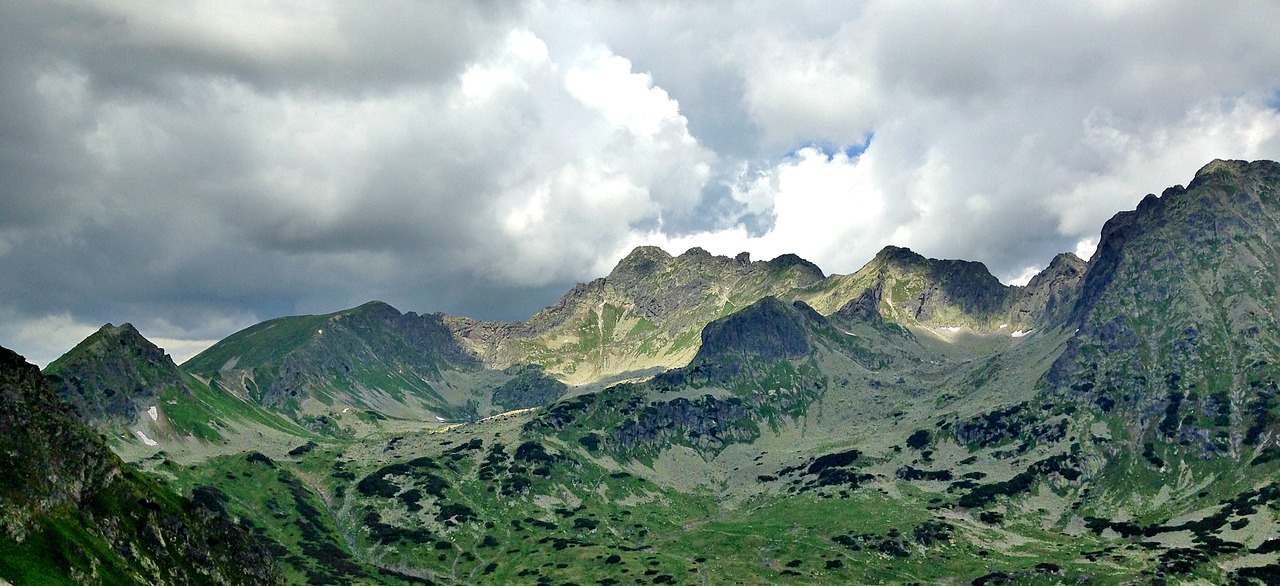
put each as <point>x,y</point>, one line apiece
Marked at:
<point>711,420</point>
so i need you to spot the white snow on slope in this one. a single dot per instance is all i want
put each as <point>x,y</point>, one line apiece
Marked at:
<point>154,413</point>
<point>145,439</point>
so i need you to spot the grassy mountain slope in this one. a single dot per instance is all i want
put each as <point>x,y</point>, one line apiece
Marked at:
<point>372,358</point>
<point>125,387</point>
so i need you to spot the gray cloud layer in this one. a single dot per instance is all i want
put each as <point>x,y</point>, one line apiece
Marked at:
<point>198,167</point>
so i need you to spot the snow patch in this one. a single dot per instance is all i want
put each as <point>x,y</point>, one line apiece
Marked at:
<point>145,439</point>
<point>1003,326</point>
<point>952,329</point>
<point>1021,333</point>
<point>154,413</point>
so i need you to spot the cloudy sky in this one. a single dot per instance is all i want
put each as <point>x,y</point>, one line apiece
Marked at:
<point>196,167</point>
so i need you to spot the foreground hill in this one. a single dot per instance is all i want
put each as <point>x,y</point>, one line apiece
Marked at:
<point>128,389</point>
<point>1177,315</point>
<point>73,513</point>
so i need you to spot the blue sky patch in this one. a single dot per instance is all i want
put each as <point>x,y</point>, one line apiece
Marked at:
<point>830,149</point>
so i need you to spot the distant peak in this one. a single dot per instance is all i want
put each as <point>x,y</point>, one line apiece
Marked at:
<point>1228,166</point>
<point>376,308</point>
<point>696,252</point>
<point>789,260</point>
<point>375,304</point>
<point>1065,264</point>
<point>646,252</point>
<point>892,250</point>
<point>124,332</point>
<point>114,329</point>
<point>899,254</point>
<point>1066,259</point>
<point>642,261</point>
<point>123,343</point>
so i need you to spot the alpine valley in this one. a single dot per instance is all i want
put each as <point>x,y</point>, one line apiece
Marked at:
<point>699,419</point>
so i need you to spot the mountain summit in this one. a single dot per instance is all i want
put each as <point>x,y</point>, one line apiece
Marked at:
<point>114,375</point>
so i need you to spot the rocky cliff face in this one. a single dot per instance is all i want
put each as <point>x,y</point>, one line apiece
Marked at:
<point>1048,298</point>
<point>1176,315</point>
<point>70,509</point>
<point>646,315</point>
<point>906,288</point>
<point>767,330</point>
<point>761,355</point>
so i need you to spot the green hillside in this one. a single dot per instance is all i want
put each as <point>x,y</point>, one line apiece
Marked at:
<point>73,513</point>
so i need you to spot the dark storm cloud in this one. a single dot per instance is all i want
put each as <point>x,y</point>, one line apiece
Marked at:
<point>342,48</point>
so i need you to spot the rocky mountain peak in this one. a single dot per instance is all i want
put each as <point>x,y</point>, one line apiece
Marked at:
<point>1065,267</point>
<point>1224,198</point>
<point>697,252</point>
<point>113,375</point>
<point>640,262</point>
<point>112,340</point>
<point>899,256</point>
<point>933,291</point>
<point>1221,169</point>
<point>1174,304</point>
<point>1065,263</point>
<point>1050,295</point>
<point>804,269</point>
